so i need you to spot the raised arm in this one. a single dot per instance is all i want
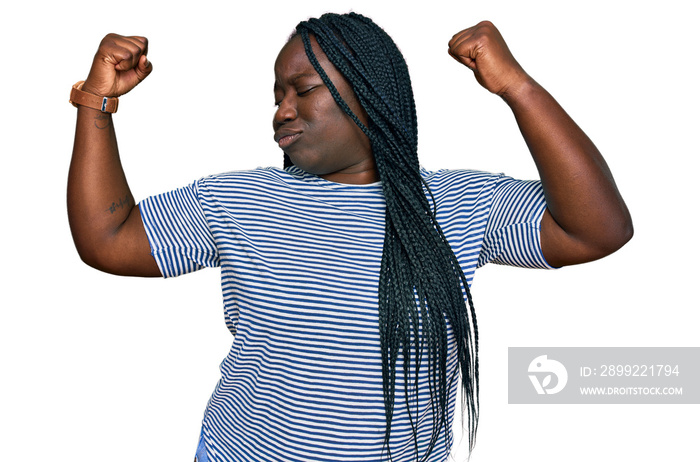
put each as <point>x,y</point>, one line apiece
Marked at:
<point>586,218</point>
<point>104,220</point>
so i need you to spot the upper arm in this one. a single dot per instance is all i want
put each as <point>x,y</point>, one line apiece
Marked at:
<point>561,248</point>
<point>520,223</point>
<point>512,232</point>
<point>125,252</point>
<point>178,230</point>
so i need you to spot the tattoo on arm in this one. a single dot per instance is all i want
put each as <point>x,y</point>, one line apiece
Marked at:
<point>125,202</point>
<point>102,121</point>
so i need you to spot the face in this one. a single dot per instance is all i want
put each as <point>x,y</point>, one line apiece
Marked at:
<point>310,127</point>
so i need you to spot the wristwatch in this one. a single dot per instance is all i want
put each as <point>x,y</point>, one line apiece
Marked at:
<point>102,103</point>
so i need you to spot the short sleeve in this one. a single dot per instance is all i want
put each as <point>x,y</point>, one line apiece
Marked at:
<point>177,229</point>
<point>512,235</point>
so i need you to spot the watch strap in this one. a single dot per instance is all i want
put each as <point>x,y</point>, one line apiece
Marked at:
<point>78,97</point>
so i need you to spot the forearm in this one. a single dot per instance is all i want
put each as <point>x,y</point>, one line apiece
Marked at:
<point>99,198</point>
<point>582,198</point>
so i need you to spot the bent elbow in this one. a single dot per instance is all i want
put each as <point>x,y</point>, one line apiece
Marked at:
<point>90,255</point>
<point>624,231</point>
<point>627,234</point>
<point>616,237</point>
<point>622,237</point>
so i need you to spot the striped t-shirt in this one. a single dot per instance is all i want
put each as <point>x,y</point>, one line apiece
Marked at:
<point>300,259</point>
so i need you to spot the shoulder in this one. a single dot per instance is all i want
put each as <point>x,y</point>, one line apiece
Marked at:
<point>458,175</point>
<point>242,176</point>
<point>260,179</point>
<point>465,181</point>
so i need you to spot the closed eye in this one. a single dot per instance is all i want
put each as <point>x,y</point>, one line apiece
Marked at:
<point>306,91</point>
<point>299,93</point>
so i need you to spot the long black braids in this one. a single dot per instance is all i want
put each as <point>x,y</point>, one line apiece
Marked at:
<point>421,284</point>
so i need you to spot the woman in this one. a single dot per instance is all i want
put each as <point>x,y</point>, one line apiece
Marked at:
<point>346,275</point>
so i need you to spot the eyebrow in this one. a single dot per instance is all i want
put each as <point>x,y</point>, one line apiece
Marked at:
<point>299,76</point>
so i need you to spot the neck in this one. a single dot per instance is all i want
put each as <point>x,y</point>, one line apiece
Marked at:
<point>364,173</point>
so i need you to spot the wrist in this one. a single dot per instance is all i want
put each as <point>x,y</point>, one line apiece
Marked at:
<point>520,91</point>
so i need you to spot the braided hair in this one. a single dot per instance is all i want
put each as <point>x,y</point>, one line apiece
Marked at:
<point>422,288</point>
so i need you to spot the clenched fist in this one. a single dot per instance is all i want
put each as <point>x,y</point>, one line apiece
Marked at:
<point>120,64</point>
<point>482,49</point>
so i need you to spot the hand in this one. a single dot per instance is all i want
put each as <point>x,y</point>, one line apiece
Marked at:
<point>482,49</point>
<point>119,65</point>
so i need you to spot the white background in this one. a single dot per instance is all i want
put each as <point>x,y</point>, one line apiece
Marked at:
<point>102,368</point>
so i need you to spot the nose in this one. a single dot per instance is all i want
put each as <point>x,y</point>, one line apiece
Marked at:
<point>286,111</point>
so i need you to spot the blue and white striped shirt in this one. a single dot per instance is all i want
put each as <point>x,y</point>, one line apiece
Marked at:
<point>300,259</point>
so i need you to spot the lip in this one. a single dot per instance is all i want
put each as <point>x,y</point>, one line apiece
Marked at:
<point>286,137</point>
